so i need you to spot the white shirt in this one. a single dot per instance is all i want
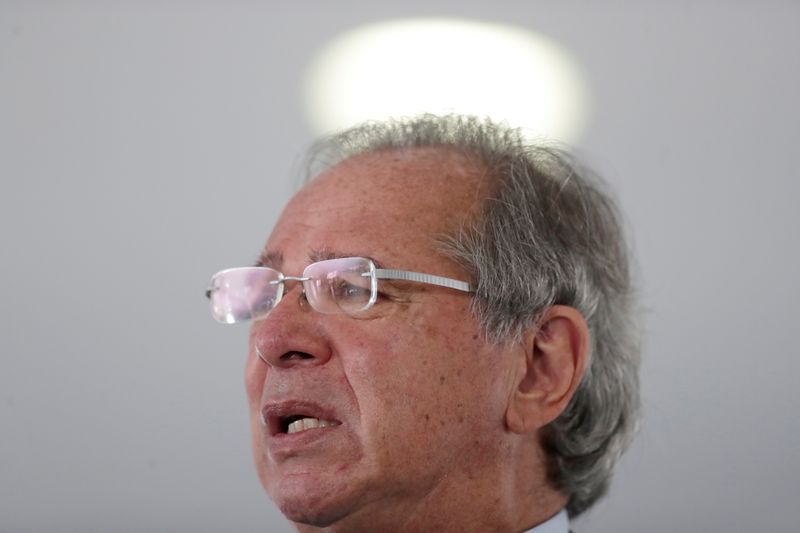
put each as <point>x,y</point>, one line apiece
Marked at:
<point>558,524</point>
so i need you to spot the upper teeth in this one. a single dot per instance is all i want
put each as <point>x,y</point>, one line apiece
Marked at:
<point>307,423</point>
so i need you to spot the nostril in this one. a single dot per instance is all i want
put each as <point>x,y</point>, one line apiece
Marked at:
<point>296,356</point>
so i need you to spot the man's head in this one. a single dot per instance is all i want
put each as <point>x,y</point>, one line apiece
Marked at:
<point>506,403</point>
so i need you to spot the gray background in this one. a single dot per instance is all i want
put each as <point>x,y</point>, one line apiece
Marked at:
<point>145,145</point>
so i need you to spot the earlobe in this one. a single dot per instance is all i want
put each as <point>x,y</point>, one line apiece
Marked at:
<point>556,355</point>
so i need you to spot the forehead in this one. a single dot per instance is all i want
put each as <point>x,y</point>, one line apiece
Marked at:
<point>390,204</point>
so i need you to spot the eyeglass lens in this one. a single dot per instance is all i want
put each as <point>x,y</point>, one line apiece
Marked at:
<point>346,285</point>
<point>240,294</point>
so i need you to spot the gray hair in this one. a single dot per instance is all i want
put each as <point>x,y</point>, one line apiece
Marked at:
<point>549,233</point>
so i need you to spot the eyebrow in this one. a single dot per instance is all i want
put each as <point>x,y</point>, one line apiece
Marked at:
<point>323,254</point>
<point>270,258</point>
<point>274,258</point>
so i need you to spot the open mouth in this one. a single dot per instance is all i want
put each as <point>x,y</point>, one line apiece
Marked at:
<point>297,423</point>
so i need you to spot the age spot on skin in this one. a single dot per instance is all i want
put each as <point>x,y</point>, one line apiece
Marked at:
<point>441,380</point>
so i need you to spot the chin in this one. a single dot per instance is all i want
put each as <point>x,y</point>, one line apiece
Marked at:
<point>310,515</point>
<point>311,501</point>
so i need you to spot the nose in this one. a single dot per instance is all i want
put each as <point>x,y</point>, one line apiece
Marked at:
<point>291,335</point>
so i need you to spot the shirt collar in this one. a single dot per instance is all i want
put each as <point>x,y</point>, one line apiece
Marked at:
<point>558,524</point>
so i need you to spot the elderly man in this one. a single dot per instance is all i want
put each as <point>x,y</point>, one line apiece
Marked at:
<point>443,335</point>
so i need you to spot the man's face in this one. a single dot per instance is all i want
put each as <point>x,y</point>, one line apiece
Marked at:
<point>416,396</point>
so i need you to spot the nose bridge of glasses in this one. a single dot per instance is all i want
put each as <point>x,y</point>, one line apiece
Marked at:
<point>289,278</point>
<point>281,283</point>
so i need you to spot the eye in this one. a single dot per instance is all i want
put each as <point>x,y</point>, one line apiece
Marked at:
<point>343,290</point>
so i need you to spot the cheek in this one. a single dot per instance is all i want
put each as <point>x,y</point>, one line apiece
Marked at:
<point>419,372</point>
<point>254,377</point>
<point>426,398</point>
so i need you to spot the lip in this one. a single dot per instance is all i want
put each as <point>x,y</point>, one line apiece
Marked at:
<point>283,445</point>
<point>273,414</point>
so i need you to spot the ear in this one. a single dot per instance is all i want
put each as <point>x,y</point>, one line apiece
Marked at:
<point>556,355</point>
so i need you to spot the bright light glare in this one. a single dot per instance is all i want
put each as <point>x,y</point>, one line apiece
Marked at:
<point>407,67</point>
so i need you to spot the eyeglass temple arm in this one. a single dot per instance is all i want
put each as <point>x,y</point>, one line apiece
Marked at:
<point>384,273</point>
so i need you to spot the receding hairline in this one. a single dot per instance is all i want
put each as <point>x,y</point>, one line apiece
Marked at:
<point>462,157</point>
<point>459,165</point>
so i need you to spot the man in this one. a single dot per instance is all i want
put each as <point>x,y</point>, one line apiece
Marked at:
<point>442,336</point>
